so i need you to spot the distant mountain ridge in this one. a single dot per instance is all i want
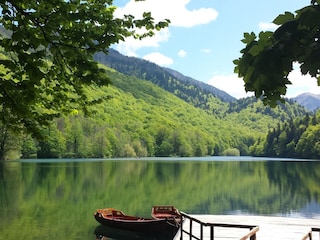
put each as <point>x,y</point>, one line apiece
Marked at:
<point>161,76</point>
<point>194,92</point>
<point>309,100</point>
<point>172,80</point>
<point>217,92</point>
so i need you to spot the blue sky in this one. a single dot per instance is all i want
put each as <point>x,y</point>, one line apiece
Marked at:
<point>204,38</point>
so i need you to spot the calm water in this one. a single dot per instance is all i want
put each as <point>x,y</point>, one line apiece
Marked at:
<point>56,199</point>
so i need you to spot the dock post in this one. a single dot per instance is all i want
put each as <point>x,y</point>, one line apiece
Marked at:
<point>190,236</point>
<point>253,237</point>
<point>211,233</point>
<point>181,227</point>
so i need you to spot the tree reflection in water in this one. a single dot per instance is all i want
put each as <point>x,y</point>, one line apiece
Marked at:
<point>60,196</point>
<point>103,233</point>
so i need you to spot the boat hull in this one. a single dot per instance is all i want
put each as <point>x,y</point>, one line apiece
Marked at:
<point>103,232</point>
<point>150,226</point>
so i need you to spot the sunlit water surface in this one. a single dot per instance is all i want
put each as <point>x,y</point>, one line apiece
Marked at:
<point>56,198</point>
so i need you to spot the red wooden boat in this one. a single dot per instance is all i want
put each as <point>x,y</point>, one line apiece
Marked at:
<point>166,212</point>
<point>112,218</point>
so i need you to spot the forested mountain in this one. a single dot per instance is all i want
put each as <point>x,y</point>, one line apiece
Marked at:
<point>252,113</point>
<point>143,118</point>
<point>309,100</point>
<point>206,87</point>
<point>297,138</point>
<point>195,92</point>
<point>248,111</point>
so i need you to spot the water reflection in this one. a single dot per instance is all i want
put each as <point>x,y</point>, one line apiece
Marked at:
<point>55,198</point>
<point>104,233</point>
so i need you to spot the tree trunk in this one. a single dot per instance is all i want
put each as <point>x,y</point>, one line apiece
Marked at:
<point>3,138</point>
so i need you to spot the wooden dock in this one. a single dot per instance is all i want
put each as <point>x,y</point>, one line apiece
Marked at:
<point>269,228</point>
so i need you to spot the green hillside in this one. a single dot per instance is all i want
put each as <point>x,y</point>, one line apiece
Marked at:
<point>297,138</point>
<point>251,112</point>
<point>141,119</point>
<point>197,93</point>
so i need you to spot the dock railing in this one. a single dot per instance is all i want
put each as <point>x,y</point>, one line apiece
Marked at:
<point>250,235</point>
<point>308,236</point>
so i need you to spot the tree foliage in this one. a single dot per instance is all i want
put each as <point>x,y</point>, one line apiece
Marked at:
<point>268,59</point>
<point>297,138</point>
<point>197,93</point>
<point>47,52</point>
<point>142,119</point>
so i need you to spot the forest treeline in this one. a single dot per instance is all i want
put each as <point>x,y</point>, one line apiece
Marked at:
<point>296,138</point>
<point>141,119</point>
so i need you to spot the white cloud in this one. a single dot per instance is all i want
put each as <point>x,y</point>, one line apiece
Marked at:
<point>206,50</point>
<point>182,53</point>
<point>131,45</point>
<point>230,84</point>
<point>235,86</point>
<point>158,58</point>
<point>186,18</point>
<point>301,84</point>
<point>264,26</point>
<point>176,11</point>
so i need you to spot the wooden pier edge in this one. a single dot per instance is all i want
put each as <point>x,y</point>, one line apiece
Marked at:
<point>261,227</point>
<point>252,234</point>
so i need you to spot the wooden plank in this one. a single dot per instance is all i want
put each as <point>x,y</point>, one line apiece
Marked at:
<point>269,227</point>
<point>308,236</point>
<point>251,234</point>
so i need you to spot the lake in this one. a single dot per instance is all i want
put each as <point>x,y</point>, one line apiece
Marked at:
<point>56,199</point>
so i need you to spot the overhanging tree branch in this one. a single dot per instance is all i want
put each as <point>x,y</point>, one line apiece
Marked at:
<point>49,54</point>
<point>268,59</point>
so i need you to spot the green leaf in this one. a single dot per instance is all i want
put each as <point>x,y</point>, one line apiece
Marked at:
<point>282,18</point>
<point>265,35</point>
<point>255,50</point>
<point>248,37</point>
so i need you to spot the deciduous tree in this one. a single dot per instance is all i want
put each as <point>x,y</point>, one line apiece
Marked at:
<point>46,55</point>
<point>268,59</point>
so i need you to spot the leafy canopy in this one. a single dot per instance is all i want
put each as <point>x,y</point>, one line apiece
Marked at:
<point>46,55</point>
<point>268,59</point>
